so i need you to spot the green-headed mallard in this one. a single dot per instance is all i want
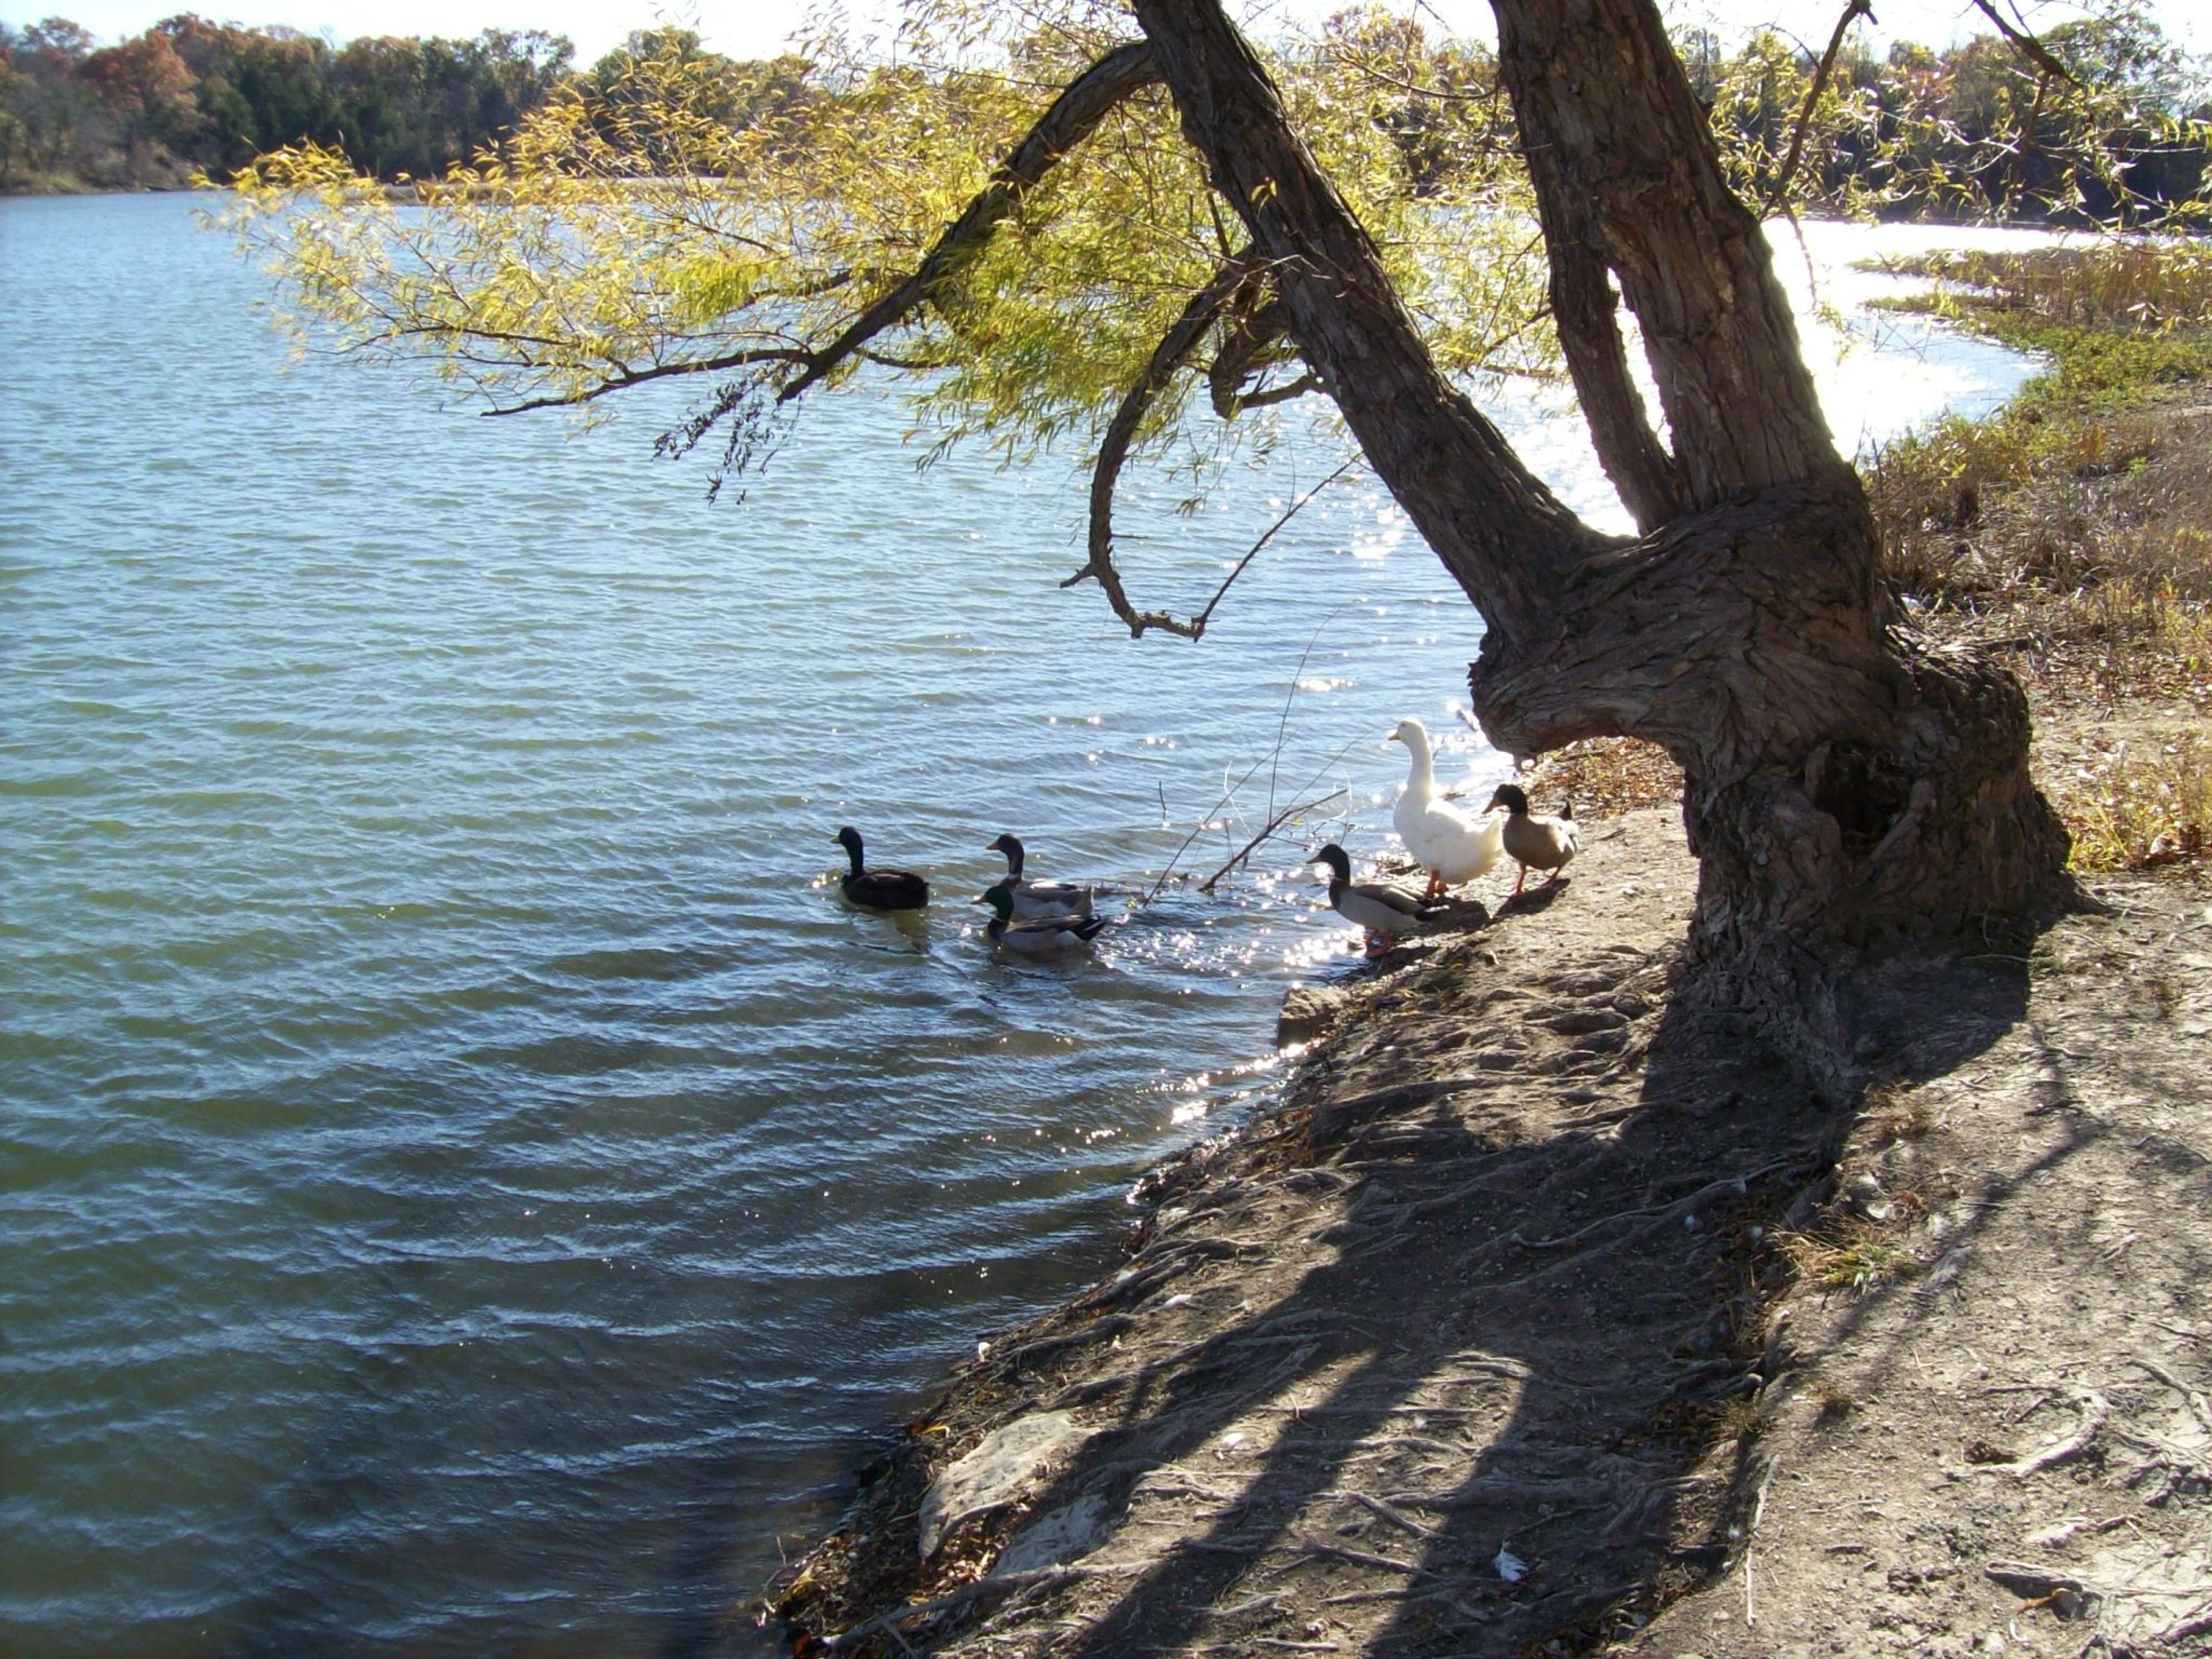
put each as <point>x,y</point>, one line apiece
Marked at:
<point>878,889</point>
<point>1382,911</point>
<point>1039,898</point>
<point>1039,936</point>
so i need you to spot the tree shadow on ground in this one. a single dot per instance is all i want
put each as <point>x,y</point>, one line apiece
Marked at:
<point>1538,1310</point>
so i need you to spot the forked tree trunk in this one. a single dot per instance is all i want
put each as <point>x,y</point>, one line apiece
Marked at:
<point>1848,782</point>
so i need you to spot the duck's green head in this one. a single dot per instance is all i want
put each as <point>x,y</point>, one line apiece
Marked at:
<point>1512,798</point>
<point>999,900</point>
<point>1333,856</point>
<point>849,839</point>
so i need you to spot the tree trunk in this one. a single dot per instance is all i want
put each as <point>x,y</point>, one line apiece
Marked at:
<point>1848,783</point>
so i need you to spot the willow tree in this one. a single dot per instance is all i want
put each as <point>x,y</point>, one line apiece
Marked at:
<point>1072,224</point>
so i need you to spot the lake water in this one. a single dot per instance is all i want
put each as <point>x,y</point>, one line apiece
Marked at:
<point>468,1185</point>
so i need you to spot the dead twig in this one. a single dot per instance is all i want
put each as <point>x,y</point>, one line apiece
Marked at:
<point>2198,1406</point>
<point>1273,824</point>
<point>1362,1558</point>
<point>2094,1410</point>
<point>1395,1516</point>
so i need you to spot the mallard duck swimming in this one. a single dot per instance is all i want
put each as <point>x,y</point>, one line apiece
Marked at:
<point>1538,842</point>
<point>1445,842</point>
<point>1039,936</point>
<point>1039,898</point>
<point>878,889</point>
<point>1381,911</point>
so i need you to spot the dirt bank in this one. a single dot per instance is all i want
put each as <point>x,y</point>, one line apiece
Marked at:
<point>1543,1313</point>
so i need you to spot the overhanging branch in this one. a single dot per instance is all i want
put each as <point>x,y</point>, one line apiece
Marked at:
<point>1852,13</point>
<point>2027,45</point>
<point>1073,116</point>
<point>621,379</point>
<point>1173,348</point>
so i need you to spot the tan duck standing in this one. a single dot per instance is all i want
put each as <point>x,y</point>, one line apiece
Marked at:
<point>1382,911</point>
<point>1537,841</point>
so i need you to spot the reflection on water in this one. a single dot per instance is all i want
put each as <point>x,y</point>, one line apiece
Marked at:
<point>471,1185</point>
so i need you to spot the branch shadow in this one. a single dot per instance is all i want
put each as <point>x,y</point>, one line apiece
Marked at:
<point>1521,1352</point>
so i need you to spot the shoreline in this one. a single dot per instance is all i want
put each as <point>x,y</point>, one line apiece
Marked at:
<point>1496,1330</point>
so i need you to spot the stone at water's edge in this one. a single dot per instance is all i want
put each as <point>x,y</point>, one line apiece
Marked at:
<point>1068,1533</point>
<point>994,1473</point>
<point>1308,1011</point>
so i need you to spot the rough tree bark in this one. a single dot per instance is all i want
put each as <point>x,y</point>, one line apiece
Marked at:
<point>1848,783</point>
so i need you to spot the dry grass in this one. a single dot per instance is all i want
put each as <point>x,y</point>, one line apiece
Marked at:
<point>1832,1402</point>
<point>1893,1112</point>
<point>2138,806</point>
<point>1606,777</point>
<point>2113,283</point>
<point>2072,532</point>
<point>1846,1254</point>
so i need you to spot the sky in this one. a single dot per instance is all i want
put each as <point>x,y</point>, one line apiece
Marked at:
<point>756,28</point>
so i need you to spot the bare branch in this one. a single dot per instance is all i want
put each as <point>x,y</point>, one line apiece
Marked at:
<point>1852,13</point>
<point>623,377</point>
<point>2028,46</point>
<point>1198,623</point>
<point>1273,824</point>
<point>1072,116</point>
<point>1175,345</point>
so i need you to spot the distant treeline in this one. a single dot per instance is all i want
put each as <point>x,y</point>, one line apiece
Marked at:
<point>191,95</point>
<point>2104,118</point>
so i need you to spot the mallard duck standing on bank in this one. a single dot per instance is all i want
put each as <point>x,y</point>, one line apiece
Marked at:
<point>1445,842</point>
<point>1539,842</point>
<point>1039,898</point>
<point>1039,936</point>
<point>878,889</point>
<point>1381,911</point>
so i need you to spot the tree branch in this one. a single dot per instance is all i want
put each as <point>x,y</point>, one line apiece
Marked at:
<point>624,378</point>
<point>1176,344</point>
<point>1073,116</point>
<point>2028,46</point>
<point>1502,535</point>
<point>1587,315</point>
<point>1852,13</point>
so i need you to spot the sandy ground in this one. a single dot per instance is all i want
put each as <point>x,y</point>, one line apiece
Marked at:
<point>1544,1317</point>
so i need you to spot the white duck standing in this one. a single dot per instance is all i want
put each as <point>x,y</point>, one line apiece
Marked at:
<point>1538,842</point>
<point>1450,845</point>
